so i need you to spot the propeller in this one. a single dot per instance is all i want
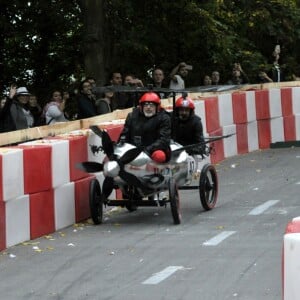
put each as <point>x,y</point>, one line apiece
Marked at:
<point>107,143</point>
<point>90,166</point>
<point>108,148</point>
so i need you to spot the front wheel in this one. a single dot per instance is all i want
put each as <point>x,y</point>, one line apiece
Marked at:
<point>174,202</point>
<point>96,202</point>
<point>208,186</point>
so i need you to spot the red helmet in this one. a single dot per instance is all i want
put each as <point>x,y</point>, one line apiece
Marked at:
<point>185,102</point>
<point>150,97</point>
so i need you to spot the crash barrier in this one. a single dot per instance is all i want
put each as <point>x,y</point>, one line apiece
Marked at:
<point>41,191</point>
<point>291,261</point>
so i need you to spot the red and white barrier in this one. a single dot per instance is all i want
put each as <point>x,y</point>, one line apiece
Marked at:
<point>47,192</point>
<point>291,261</point>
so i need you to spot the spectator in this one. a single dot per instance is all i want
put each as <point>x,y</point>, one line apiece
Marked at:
<point>92,81</point>
<point>215,78</point>
<point>263,77</point>
<point>104,104</point>
<point>6,121</point>
<point>207,80</point>
<point>70,105</point>
<point>35,109</point>
<point>19,109</point>
<point>158,81</point>
<point>86,103</point>
<point>277,74</point>
<point>54,110</point>
<point>120,99</point>
<point>131,80</point>
<point>178,76</point>
<point>238,75</point>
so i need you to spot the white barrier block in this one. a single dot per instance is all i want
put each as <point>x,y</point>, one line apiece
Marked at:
<point>200,111</point>
<point>275,103</point>
<point>296,100</point>
<point>252,136</point>
<point>297,125</point>
<point>291,266</point>
<point>230,143</point>
<point>225,109</point>
<point>64,205</point>
<point>93,142</point>
<point>277,130</point>
<point>250,103</point>
<point>12,184</point>
<point>17,220</point>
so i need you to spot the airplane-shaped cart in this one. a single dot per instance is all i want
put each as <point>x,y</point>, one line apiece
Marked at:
<point>140,179</point>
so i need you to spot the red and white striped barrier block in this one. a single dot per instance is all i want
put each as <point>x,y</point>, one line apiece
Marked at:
<point>291,261</point>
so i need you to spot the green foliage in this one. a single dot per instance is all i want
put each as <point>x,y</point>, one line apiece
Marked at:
<point>42,42</point>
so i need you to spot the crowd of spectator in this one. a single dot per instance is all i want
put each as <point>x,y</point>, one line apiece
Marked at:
<point>21,109</point>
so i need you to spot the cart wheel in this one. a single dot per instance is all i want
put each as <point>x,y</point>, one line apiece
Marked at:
<point>174,202</point>
<point>96,202</point>
<point>208,186</point>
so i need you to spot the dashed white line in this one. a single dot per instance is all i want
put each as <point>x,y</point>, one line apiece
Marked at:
<point>262,208</point>
<point>162,275</point>
<point>218,238</point>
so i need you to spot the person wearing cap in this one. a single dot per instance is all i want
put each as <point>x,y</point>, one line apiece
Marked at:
<point>149,126</point>
<point>20,113</point>
<point>187,126</point>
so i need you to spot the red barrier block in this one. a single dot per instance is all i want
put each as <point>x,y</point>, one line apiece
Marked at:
<point>37,168</point>
<point>212,114</point>
<point>114,131</point>
<point>242,138</point>
<point>262,105</point>
<point>82,191</point>
<point>217,154</point>
<point>42,220</point>
<point>264,134</point>
<point>286,101</point>
<point>239,106</point>
<point>2,227</point>
<point>289,124</point>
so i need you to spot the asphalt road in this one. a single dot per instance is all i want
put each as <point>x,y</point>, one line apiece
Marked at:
<point>231,252</point>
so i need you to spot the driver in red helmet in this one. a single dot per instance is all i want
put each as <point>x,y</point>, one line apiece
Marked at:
<point>187,127</point>
<point>149,126</point>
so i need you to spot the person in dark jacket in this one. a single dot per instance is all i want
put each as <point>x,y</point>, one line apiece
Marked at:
<point>6,121</point>
<point>149,126</point>
<point>86,101</point>
<point>187,126</point>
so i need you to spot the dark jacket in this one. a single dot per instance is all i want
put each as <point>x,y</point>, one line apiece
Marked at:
<point>151,134</point>
<point>86,107</point>
<point>188,132</point>
<point>21,115</point>
<point>6,121</point>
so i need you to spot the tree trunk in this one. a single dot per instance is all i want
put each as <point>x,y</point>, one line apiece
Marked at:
<point>94,42</point>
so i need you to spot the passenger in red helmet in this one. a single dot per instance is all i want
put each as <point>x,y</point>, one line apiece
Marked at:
<point>187,127</point>
<point>149,126</point>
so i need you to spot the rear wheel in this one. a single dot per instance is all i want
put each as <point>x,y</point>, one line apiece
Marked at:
<point>96,202</point>
<point>208,186</point>
<point>174,202</point>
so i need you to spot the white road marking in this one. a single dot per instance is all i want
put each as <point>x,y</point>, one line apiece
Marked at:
<point>218,238</point>
<point>162,275</point>
<point>263,207</point>
<point>298,182</point>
